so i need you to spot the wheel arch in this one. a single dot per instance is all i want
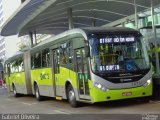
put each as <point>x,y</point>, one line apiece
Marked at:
<point>68,82</point>
<point>34,85</point>
<point>13,85</point>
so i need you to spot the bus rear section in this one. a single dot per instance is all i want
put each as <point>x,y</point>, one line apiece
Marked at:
<point>18,74</point>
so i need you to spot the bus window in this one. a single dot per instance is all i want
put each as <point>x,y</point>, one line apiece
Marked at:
<point>45,58</point>
<point>15,67</point>
<point>116,53</point>
<point>70,55</point>
<point>56,60</point>
<point>20,64</point>
<point>11,67</point>
<point>69,52</point>
<point>63,54</point>
<point>37,60</point>
<point>66,55</point>
<point>79,61</point>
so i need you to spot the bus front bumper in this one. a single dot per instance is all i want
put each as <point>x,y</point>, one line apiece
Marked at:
<point>100,96</point>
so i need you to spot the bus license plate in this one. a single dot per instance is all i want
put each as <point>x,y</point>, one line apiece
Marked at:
<point>137,83</point>
<point>126,93</point>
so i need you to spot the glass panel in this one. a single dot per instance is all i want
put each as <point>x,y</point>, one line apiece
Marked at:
<point>118,53</point>
<point>80,70</point>
<point>21,65</point>
<point>63,54</point>
<point>56,61</point>
<point>85,72</point>
<point>45,58</point>
<point>37,60</point>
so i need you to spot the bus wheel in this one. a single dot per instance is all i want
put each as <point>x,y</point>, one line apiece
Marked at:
<point>71,96</point>
<point>15,94</point>
<point>37,94</point>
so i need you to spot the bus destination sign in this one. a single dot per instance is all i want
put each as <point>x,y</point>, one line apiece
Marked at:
<point>109,68</point>
<point>117,40</point>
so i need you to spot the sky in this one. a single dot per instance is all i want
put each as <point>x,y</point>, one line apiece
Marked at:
<point>10,6</point>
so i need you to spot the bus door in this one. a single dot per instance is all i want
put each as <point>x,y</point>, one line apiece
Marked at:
<point>82,72</point>
<point>56,72</point>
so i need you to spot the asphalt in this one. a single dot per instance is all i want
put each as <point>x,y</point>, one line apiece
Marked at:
<point>49,107</point>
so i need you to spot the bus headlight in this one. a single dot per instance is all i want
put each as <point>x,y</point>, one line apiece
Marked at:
<point>101,87</point>
<point>148,82</point>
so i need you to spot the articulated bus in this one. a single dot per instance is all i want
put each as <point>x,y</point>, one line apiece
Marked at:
<point>83,65</point>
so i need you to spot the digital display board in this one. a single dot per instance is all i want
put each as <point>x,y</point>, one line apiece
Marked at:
<point>117,39</point>
<point>109,68</point>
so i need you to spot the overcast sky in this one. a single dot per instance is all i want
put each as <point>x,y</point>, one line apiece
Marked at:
<point>9,7</point>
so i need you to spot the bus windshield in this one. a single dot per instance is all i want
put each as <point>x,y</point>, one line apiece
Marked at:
<point>118,53</point>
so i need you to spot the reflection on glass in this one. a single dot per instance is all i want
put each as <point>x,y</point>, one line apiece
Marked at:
<point>118,53</point>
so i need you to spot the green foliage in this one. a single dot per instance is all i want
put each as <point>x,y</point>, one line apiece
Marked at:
<point>22,46</point>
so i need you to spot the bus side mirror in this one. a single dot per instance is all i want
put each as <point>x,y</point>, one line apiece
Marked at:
<point>87,50</point>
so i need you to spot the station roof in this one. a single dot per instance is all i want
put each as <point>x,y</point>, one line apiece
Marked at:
<point>51,16</point>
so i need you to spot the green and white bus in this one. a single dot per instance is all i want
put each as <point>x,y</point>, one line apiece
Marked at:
<point>84,65</point>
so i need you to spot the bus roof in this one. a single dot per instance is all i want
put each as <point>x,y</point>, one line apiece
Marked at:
<point>83,32</point>
<point>108,29</point>
<point>17,54</point>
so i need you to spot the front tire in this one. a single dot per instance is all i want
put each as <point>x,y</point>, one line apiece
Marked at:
<point>37,94</point>
<point>71,96</point>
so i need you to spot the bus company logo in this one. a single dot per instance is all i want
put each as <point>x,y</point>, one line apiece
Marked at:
<point>150,117</point>
<point>44,76</point>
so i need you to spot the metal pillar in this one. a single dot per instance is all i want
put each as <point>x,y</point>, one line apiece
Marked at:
<point>70,19</point>
<point>35,37</point>
<point>123,24</point>
<point>31,38</point>
<point>136,15</point>
<point>155,37</point>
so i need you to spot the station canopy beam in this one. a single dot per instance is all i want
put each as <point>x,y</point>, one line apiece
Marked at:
<point>56,16</point>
